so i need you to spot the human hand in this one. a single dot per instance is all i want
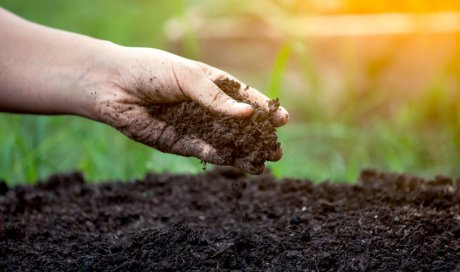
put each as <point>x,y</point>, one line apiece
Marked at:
<point>145,77</point>
<point>68,73</point>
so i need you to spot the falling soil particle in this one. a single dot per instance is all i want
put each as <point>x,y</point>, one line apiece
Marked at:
<point>387,222</point>
<point>250,141</point>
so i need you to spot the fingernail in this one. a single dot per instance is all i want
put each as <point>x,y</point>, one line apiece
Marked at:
<point>281,117</point>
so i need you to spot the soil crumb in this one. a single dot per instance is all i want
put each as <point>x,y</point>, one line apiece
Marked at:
<point>251,141</point>
<point>386,222</point>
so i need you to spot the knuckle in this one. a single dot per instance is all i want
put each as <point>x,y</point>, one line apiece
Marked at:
<point>217,76</point>
<point>166,139</point>
<point>219,97</point>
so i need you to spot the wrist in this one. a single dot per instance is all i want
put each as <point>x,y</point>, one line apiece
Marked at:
<point>96,78</point>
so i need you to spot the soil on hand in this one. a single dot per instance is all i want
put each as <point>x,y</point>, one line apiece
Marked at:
<point>386,222</point>
<point>249,141</point>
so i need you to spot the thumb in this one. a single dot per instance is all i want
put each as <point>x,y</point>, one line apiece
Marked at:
<point>202,90</point>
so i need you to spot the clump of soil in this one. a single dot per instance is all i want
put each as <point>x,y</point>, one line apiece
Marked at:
<point>251,141</point>
<point>387,222</point>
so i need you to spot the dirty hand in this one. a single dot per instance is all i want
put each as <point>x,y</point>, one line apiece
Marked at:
<point>144,77</point>
<point>49,71</point>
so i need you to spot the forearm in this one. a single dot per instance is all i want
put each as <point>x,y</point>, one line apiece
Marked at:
<point>47,71</point>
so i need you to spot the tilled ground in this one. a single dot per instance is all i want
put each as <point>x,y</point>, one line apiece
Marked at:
<point>223,220</point>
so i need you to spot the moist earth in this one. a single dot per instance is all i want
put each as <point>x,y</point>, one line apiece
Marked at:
<point>250,141</point>
<point>225,220</point>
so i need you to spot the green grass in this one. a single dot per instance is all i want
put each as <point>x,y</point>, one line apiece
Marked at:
<point>422,138</point>
<point>279,67</point>
<point>132,23</point>
<point>338,152</point>
<point>36,146</point>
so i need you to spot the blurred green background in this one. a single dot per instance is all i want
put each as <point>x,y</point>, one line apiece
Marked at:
<point>351,108</point>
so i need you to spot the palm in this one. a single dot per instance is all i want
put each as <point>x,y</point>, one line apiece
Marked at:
<point>151,77</point>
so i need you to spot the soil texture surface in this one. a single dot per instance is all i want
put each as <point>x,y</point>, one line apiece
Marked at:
<point>247,143</point>
<point>224,220</point>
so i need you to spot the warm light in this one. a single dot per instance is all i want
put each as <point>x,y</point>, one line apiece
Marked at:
<point>363,7</point>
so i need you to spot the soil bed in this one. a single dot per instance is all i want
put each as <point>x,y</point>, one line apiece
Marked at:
<point>223,220</point>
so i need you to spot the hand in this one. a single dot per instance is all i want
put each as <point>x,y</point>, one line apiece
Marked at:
<point>143,77</point>
<point>68,73</point>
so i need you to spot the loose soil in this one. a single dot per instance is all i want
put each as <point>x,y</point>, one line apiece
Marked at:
<point>224,220</point>
<point>251,141</point>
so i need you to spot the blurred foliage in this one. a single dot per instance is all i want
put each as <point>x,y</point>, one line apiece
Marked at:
<point>131,23</point>
<point>362,6</point>
<point>327,7</point>
<point>34,147</point>
<point>422,137</point>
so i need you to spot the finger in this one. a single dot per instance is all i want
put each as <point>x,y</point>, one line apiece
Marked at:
<point>167,140</point>
<point>136,123</point>
<point>248,167</point>
<point>170,142</point>
<point>201,89</point>
<point>191,146</point>
<point>280,117</point>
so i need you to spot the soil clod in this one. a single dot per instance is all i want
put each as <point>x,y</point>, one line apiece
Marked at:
<point>246,143</point>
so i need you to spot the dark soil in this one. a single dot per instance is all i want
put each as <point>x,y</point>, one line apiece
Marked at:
<point>251,141</point>
<point>387,222</point>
